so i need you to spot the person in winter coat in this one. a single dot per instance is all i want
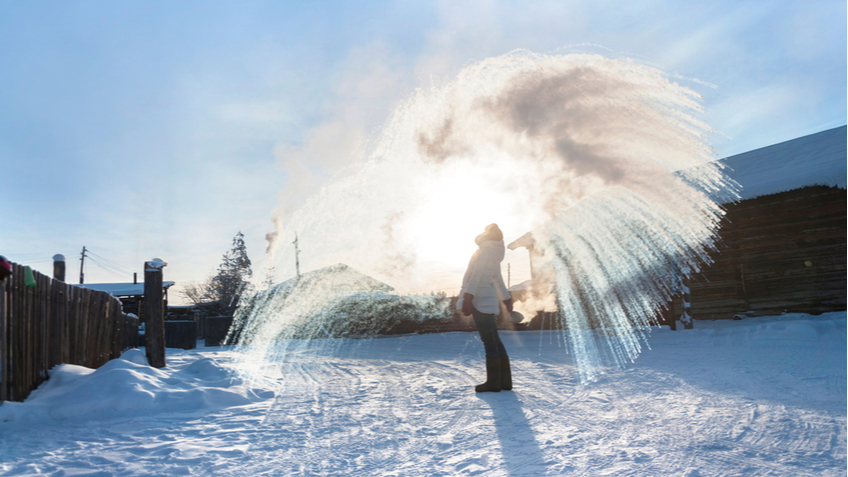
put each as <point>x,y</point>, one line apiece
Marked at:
<point>483,289</point>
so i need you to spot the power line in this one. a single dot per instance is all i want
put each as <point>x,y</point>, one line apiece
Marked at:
<point>108,269</point>
<point>113,264</point>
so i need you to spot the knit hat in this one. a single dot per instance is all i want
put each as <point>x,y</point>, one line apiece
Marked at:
<point>492,233</point>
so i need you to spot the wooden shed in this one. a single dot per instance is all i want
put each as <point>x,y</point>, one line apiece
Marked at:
<point>783,246</point>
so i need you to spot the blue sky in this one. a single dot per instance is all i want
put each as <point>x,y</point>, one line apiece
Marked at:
<point>158,128</point>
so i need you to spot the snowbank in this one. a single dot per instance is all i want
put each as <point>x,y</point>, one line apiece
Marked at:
<point>128,386</point>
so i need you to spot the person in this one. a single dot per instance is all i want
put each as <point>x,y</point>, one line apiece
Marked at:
<point>482,290</point>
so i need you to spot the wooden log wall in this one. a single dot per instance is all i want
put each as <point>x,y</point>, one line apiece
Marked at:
<point>50,323</point>
<point>782,252</point>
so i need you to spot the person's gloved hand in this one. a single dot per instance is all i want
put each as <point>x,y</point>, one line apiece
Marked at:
<point>468,304</point>
<point>508,304</point>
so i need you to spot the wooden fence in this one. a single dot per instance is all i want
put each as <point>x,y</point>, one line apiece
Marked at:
<point>48,322</point>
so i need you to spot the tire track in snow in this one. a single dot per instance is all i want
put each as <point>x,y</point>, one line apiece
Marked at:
<point>402,416</point>
<point>640,423</point>
<point>349,415</point>
<point>407,407</point>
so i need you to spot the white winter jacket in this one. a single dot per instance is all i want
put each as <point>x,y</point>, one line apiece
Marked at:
<point>483,278</point>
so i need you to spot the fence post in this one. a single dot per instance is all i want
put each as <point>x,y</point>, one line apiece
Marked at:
<point>154,308</point>
<point>59,267</point>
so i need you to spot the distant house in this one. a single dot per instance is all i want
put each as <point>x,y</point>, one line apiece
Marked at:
<point>782,246</point>
<point>130,294</point>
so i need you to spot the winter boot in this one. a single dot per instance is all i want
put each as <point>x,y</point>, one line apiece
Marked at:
<point>493,377</point>
<point>506,374</point>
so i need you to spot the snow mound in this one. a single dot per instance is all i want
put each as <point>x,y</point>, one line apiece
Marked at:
<point>134,355</point>
<point>128,386</point>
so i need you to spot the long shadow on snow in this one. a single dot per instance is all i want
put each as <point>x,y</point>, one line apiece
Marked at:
<point>520,450</point>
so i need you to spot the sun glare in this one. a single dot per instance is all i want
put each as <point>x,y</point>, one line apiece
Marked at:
<point>457,204</point>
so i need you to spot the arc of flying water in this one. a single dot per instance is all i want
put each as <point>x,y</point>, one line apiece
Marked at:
<point>593,148</point>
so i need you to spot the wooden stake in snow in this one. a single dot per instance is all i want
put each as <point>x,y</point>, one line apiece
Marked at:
<point>154,308</point>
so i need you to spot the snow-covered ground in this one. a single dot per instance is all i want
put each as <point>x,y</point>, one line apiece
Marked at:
<point>763,396</point>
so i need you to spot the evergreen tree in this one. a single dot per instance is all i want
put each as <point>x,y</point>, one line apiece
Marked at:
<point>234,274</point>
<point>230,283</point>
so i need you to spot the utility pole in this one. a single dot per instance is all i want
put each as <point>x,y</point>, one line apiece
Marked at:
<point>296,256</point>
<point>82,263</point>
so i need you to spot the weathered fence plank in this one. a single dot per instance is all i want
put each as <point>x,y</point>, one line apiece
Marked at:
<point>94,324</point>
<point>42,294</point>
<point>29,335</point>
<point>83,331</point>
<point>57,323</point>
<point>115,336</point>
<point>73,313</point>
<point>4,357</point>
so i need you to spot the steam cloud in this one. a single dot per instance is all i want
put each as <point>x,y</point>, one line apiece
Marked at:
<point>606,160</point>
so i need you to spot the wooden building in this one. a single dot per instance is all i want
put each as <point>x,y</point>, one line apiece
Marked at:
<point>783,246</point>
<point>780,252</point>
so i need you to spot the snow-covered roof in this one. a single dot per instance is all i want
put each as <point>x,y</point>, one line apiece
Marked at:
<point>817,159</point>
<point>525,285</point>
<point>525,240</point>
<point>122,289</point>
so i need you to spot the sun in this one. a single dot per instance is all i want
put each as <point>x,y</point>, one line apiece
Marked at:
<point>456,203</point>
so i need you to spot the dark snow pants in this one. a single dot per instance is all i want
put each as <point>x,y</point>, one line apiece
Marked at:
<point>489,334</point>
